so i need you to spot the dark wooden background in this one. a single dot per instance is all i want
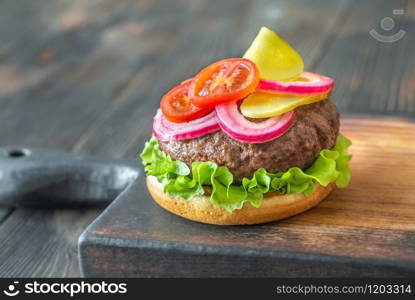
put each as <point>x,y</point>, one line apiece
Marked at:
<point>87,76</point>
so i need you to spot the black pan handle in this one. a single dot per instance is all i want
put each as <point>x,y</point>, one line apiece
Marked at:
<point>44,178</point>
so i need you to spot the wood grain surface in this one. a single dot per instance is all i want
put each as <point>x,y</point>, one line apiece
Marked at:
<point>87,76</point>
<point>366,229</point>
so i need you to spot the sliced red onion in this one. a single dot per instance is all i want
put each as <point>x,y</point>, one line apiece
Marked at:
<point>309,84</point>
<point>239,128</point>
<point>164,130</point>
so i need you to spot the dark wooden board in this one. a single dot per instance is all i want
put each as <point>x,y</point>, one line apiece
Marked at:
<point>367,229</point>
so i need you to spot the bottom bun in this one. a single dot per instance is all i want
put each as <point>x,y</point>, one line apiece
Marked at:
<point>274,207</point>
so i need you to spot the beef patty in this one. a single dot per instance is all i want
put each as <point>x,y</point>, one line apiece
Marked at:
<point>315,128</point>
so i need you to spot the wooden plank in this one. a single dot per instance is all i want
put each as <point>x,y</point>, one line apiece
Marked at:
<point>371,76</point>
<point>32,49</point>
<point>42,243</point>
<point>79,71</point>
<point>367,229</point>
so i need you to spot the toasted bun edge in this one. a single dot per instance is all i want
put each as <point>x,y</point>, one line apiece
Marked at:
<point>274,207</point>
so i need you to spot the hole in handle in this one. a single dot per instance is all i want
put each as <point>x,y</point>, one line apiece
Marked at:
<point>18,153</point>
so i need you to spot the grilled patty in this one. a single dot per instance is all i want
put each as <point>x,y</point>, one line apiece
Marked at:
<point>315,128</point>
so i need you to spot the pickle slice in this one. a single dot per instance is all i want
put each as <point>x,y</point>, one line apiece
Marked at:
<point>275,58</point>
<point>265,105</point>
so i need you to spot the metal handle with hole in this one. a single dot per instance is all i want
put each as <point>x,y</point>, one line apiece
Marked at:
<point>38,177</point>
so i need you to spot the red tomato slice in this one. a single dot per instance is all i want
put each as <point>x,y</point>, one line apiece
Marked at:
<point>224,81</point>
<point>176,105</point>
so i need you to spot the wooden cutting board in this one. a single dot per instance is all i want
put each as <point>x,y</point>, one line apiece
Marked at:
<point>367,229</point>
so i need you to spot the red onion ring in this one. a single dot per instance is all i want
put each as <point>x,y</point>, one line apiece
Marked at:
<point>239,128</point>
<point>164,130</point>
<point>313,84</point>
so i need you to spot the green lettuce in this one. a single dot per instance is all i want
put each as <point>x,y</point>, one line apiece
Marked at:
<point>209,178</point>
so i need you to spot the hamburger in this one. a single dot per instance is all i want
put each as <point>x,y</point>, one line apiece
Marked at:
<point>247,140</point>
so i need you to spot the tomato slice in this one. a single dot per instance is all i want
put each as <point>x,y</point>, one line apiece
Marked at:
<point>224,81</point>
<point>176,105</point>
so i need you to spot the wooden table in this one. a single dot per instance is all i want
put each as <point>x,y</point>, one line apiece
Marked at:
<point>87,76</point>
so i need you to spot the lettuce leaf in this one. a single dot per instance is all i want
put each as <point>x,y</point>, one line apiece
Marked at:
<point>209,178</point>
